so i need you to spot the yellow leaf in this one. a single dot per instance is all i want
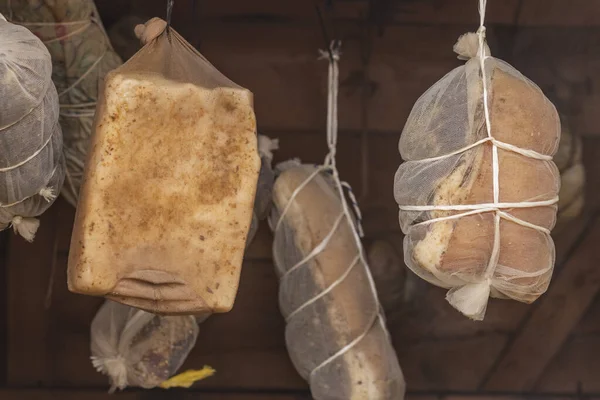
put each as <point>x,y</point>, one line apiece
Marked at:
<point>188,378</point>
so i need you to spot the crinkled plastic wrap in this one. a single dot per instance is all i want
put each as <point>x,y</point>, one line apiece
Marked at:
<point>502,248</point>
<point>335,331</point>
<point>31,163</point>
<point>81,56</point>
<point>170,182</point>
<point>137,348</point>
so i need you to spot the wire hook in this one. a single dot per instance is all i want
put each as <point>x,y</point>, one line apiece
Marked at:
<point>169,13</point>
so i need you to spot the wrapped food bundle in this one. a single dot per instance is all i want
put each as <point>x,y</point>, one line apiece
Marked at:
<point>169,185</point>
<point>264,189</point>
<point>572,176</point>
<point>478,190</point>
<point>335,330</point>
<point>31,164</point>
<point>81,56</point>
<point>137,348</point>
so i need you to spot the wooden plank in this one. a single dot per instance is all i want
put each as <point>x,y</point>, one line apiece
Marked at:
<point>568,77</point>
<point>251,335</point>
<point>454,12</point>
<point>560,13</point>
<point>90,394</point>
<point>533,12</point>
<point>65,363</point>
<point>448,364</point>
<point>575,367</point>
<point>555,315</point>
<point>28,273</point>
<point>87,394</point>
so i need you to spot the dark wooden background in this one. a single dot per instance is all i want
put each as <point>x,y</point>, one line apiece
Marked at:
<point>548,349</point>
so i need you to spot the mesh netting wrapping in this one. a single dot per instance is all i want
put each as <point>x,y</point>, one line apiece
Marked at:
<point>31,163</point>
<point>478,188</point>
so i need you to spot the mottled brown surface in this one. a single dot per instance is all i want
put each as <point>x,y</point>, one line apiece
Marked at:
<point>167,202</point>
<point>520,115</point>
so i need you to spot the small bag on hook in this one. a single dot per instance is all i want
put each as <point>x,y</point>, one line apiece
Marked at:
<point>170,182</point>
<point>137,348</point>
<point>458,235</point>
<point>32,167</point>
<point>335,329</point>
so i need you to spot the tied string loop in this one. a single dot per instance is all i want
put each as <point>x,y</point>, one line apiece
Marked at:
<point>345,216</point>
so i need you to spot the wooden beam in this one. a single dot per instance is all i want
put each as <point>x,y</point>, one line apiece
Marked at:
<point>552,319</point>
<point>578,358</point>
<point>28,273</point>
<point>92,394</point>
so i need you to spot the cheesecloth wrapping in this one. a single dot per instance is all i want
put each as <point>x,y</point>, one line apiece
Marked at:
<point>31,162</point>
<point>478,189</point>
<point>81,56</point>
<point>335,328</point>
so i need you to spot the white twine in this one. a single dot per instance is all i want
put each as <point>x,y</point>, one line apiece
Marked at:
<point>497,206</point>
<point>46,192</point>
<point>77,111</point>
<point>356,229</point>
<point>94,19</point>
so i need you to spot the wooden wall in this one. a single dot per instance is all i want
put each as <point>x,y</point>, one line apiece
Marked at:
<point>270,47</point>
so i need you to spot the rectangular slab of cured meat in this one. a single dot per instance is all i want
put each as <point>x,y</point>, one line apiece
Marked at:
<point>169,186</point>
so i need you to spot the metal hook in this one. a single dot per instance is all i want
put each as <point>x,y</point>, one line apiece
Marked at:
<point>169,13</point>
<point>324,32</point>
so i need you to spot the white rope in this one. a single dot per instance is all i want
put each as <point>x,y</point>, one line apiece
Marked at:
<point>326,290</point>
<point>46,192</point>
<point>318,249</point>
<point>496,206</point>
<point>356,229</point>
<point>31,157</point>
<point>505,146</point>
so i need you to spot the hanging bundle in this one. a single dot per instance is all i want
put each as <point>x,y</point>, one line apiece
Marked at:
<point>335,328</point>
<point>478,190</point>
<point>137,348</point>
<point>168,197</point>
<point>31,164</point>
<point>81,56</point>
<point>572,176</point>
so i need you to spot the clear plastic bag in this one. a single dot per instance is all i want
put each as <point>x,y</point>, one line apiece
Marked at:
<point>458,235</point>
<point>335,330</point>
<point>137,348</point>
<point>169,187</point>
<point>31,163</point>
<point>81,56</point>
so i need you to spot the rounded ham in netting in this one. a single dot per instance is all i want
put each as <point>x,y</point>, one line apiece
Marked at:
<point>478,189</point>
<point>32,168</point>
